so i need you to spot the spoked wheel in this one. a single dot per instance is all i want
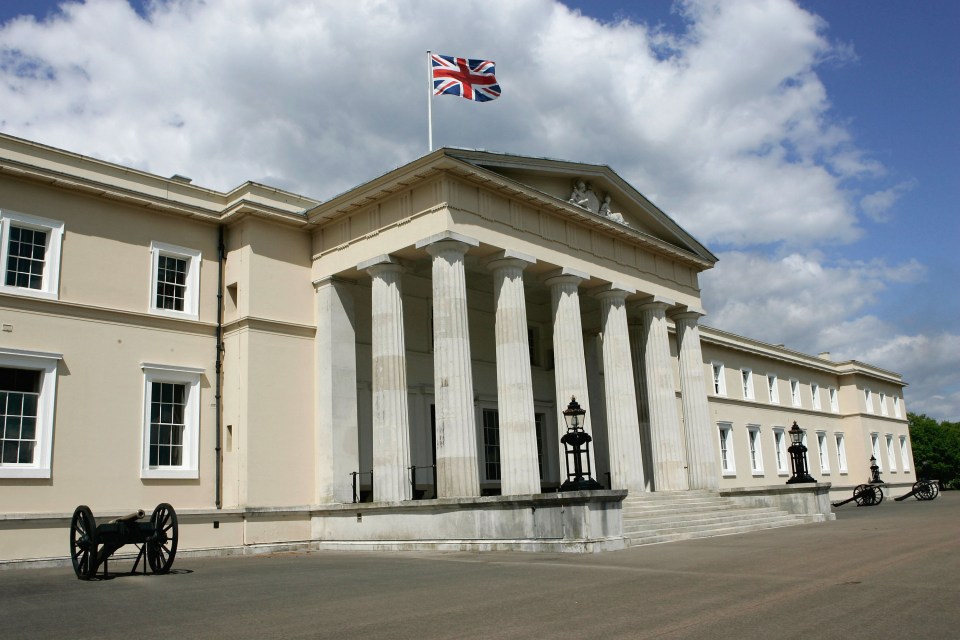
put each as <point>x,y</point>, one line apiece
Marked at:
<point>862,494</point>
<point>83,543</point>
<point>162,545</point>
<point>877,495</point>
<point>923,490</point>
<point>935,488</point>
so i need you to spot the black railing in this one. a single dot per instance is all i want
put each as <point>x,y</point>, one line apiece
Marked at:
<point>356,496</point>
<point>413,481</point>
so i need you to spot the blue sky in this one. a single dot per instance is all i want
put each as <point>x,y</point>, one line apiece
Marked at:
<point>813,146</point>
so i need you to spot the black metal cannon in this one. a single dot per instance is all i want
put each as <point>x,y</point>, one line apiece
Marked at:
<point>865,495</point>
<point>91,545</point>
<point>922,490</point>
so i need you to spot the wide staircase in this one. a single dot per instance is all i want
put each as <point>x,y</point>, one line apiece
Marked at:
<point>667,516</point>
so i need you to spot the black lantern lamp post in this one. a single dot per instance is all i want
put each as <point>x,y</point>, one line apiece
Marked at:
<point>874,471</point>
<point>577,444</point>
<point>798,456</point>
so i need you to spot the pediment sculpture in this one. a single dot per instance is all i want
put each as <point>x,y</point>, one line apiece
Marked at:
<point>584,197</point>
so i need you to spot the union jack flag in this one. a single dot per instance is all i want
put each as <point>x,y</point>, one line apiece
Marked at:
<point>464,77</point>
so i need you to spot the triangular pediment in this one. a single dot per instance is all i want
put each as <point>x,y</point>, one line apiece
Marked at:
<point>594,189</point>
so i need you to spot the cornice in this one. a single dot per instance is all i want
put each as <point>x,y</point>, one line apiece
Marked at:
<point>782,354</point>
<point>74,310</point>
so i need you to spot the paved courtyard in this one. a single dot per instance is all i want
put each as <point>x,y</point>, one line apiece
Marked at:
<point>889,571</point>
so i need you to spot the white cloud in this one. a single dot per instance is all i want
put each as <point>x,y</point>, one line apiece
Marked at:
<point>877,205</point>
<point>319,97</point>
<point>726,125</point>
<point>809,305</point>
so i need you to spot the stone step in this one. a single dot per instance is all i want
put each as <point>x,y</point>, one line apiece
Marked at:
<point>656,538</point>
<point>708,524</point>
<point>662,516</point>
<point>703,516</point>
<point>632,509</point>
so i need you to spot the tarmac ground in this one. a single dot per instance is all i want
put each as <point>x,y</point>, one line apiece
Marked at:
<point>890,571</point>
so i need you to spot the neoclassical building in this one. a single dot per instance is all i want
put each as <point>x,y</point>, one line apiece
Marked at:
<point>389,369</point>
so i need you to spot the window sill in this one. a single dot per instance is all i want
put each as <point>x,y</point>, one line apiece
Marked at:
<point>169,474</point>
<point>24,472</point>
<point>180,315</point>
<point>28,293</point>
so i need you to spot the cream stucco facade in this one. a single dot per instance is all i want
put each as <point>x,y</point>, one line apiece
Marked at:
<point>438,317</point>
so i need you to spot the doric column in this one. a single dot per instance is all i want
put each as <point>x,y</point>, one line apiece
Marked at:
<point>335,356</point>
<point>700,438</point>
<point>457,471</point>
<point>669,459</point>
<point>391,417</point>
<point>623,425</point>
<point>569,365</point>
<point>637,346</point>
<point>520,473</point>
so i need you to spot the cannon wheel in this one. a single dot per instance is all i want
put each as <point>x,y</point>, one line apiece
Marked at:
<point>924,490</point>
<point>83,542</point>
<point>868,495</point>
<point>162,545</point>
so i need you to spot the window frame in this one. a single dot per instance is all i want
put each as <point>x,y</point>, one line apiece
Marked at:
<point>50,288</point>
<point>46,364</point>
<point>904,454</point>
<point>756,449</point>
<point>840,439</point>
<point>773,393</point>
<point>868,399</point>
<point>834,399</point>
<point>728,465</point>
<point>719,379</point>
<point>823,452</point>
<point>488,446</point>
<point>896,407</point>
<point>795,398</point>
<point>780,450</point>
<point>815,396</point>
<point>191,296</point>
<point>875,449</point>
<point>882,400</point>
<point>189,469</point>
<point>746,382</point>
<point>891,455</point>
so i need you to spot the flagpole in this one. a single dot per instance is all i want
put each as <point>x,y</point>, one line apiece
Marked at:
<point>429,103</point>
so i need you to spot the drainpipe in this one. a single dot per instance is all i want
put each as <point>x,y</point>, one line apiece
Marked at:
<point>218,463</point>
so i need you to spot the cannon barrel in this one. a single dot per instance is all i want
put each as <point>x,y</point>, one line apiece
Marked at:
<point>130,517</point>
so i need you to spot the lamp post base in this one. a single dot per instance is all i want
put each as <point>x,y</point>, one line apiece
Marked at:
<point>802,478</point>
<point>583,484</point>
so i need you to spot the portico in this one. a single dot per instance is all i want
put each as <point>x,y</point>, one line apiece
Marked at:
<point>467,299</point>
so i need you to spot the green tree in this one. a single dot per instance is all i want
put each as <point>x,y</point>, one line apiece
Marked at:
<point>937,444</point>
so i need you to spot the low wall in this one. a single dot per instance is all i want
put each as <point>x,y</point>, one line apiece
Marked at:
<point>581,521</point>
<point>584,521</point>
<point>805,499</point>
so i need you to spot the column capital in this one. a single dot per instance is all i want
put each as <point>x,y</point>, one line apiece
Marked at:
<point>612,290</point>
<point>381,264</point>
<point>508,258</point>
<point>653,303</point>
<point>686,313</point>
<point>564,275</point>
<point>446,238</point>
<point>326,281</point>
